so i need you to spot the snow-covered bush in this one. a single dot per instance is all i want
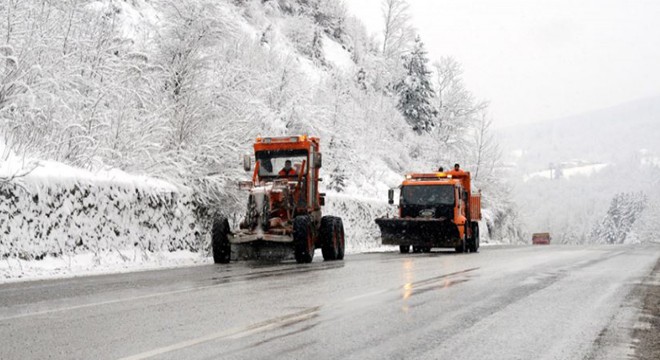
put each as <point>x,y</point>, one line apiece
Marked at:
<point>62,218</point>
<point>361,231</point>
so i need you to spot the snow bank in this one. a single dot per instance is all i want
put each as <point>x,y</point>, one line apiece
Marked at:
<point>44,173</point>
<point>57,211</point>
<point>63,219</point>
<point>116,261</point>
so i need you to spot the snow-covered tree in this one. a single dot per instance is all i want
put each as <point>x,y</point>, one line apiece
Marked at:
<point>415,90</point>
<point>357,39</point>
<point>648,229</point>
<point>620,218</point>
<point>398,34</point>
<point>485,151</point>
<point>458,111</point>
<point>331,15</point>
<point>303,34</point>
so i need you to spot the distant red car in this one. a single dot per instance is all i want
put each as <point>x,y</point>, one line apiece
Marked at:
<point>541,238</point>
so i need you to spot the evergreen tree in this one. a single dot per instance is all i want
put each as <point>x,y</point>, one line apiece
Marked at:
<point>649,222</point>
<point>624,210</point>
<point>415,90</point>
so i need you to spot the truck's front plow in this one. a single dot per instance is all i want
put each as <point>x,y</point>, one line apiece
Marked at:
<point>418,232</point>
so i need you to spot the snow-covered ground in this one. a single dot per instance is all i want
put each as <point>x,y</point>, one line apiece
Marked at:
<point>567,173</point>
<point>337,55</point>
<point>47,172</point>
<point>130,260</point>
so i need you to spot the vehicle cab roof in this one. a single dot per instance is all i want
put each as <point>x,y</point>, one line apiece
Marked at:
<point>296,142</point>
<point>437,178</point>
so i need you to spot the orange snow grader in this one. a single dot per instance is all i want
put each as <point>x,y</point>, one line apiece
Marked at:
<point>436,210</point>
<point>284,206</point>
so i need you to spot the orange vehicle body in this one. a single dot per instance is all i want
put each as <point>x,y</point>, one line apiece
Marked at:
<point>461,181</point>
<point>284,206</point>
<point>450,223</point>
<point>310,198</point>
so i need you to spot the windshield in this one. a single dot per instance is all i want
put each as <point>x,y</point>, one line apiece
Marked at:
<point>285,163</point>
<point>427,195</point>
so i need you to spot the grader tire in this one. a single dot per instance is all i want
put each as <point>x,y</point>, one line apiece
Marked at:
<point>303,239</point>
<point>220,241</point>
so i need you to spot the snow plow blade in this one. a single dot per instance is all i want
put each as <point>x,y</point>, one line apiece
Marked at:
<point>418,232</point>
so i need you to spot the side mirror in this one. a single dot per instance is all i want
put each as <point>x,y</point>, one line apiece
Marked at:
<point>390,196</point>
<point>322,201</point>
<point>245,185</point>
<point>247,163</point>
<point>318,160</point>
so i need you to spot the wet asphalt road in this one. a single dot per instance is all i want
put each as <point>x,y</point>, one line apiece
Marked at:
<point>543,302</point>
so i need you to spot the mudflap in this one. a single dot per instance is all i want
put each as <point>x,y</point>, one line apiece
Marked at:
<point>261,250</point>
<point>419,232</point>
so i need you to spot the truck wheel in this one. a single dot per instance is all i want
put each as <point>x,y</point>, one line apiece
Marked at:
<point>329,238</point>
<point>303,239</point>
<point>470,244</point>
<point>462,247</point>
<point>475,237</point>
<point>417,249</point>
<point>341,238</point>
<point>220,241</point>
<point>404,249</point>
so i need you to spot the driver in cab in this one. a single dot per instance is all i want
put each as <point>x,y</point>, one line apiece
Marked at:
<point>287,170</point>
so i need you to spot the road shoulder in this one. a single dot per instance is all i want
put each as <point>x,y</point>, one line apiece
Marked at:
<point>647,331</point>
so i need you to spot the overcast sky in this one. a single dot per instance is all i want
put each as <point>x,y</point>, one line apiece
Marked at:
<point>541,59</point>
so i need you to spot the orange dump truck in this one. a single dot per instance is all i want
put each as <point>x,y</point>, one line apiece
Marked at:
<point>436,210</point>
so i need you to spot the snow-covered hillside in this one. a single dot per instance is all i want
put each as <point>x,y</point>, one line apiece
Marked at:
<point>570,171</point>
<point>173,92</point>
<point>611,135</point>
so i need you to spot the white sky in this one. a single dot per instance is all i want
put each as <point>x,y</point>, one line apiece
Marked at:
<point>541,59</point>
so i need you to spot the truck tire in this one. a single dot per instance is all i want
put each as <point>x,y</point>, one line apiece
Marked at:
<point>404,249</point>
<point>463,247</point>
<point>329,238</point>
<point>220,240</point>
<point>341,238</point>
<point>471,244</point>
<point>303,239</point>
<point>474,242</point>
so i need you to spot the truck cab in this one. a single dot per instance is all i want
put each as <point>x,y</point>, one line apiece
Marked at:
<point>435,210</point>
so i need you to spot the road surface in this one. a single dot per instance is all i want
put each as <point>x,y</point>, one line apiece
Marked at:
<point>542,302</point>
